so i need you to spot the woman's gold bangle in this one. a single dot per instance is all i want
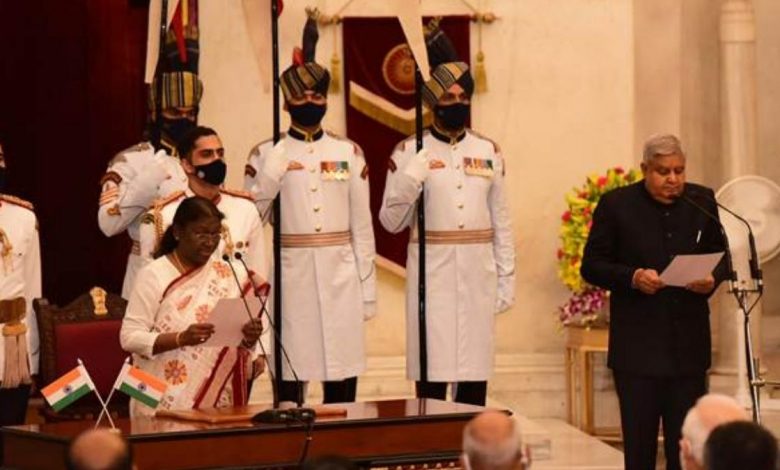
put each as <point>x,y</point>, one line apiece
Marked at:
<point>178,339</point>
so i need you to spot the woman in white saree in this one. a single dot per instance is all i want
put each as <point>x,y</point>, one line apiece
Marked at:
<point>167,316</point>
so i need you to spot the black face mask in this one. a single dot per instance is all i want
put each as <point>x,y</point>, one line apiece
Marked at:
<point>174,129</point>
<point>212,173</point>
<point>2,179</point>
<point>307,114</point>
<point>453,116</point>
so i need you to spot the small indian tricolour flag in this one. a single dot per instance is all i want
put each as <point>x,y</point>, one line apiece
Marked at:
<point>140,385</point>
<point>68,388</point>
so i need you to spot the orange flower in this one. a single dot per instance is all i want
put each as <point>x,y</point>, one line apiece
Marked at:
<point>202,313</point>
<point>222,269</point>
<point>175,372</point>
<point>183,303</point>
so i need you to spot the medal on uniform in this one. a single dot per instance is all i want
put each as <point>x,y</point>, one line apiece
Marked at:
<point>478,167</point>
<point>334,171</point>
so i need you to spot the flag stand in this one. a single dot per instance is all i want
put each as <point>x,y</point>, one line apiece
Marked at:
<point>100,399</point>
<point>110,395</point>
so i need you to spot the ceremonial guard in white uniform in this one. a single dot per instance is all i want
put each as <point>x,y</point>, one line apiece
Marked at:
<point>328,278</point>
<point>469,243</point>
<point>137,176</point>
<point>20,283</point>
<point>242,232</point>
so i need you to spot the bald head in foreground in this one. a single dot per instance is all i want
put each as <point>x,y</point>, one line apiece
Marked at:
<point>710,411</point>
<point>99,449</point>
<point>491,441</point>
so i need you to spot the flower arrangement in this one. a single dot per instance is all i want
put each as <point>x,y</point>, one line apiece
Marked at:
<point>586,301</point>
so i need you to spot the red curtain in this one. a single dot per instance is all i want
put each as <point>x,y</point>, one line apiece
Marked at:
<point>71,96</point>
<point>370,44</point>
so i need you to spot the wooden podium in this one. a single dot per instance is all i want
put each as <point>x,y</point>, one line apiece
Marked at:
<point>383,433</point>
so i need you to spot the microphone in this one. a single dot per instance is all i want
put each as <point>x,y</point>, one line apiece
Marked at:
<point>226,259</point>
<point>755,270</point>
<point>727,254</point>
<point>275,415</point>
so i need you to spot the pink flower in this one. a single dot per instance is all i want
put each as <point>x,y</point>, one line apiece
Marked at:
<point>602,181</point>
<point>619,170</point>
<point>566,217</point>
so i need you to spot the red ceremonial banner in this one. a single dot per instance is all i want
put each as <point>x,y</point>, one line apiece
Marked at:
<point>379,93</point>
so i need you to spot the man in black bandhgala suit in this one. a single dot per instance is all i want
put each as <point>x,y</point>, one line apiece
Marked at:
<point>659,338</point>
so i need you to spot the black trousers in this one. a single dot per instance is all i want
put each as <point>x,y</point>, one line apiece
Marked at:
<point>13,408</point>
<point>13,405</point>
<point>473,393</point>
<point>337,391</point>
<point>645,402</point>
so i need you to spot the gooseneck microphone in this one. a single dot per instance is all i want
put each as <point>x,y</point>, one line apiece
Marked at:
<point>299,413</point>
<point>755,269</point>
<point>732,275</point>
<point>226,259</point>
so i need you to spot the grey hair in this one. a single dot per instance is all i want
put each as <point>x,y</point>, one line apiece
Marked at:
<point>661,145</point>
<point>696,431</point>
<point>502,454</point>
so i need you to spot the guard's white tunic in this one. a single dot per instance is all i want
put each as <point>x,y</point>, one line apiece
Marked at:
<point>328,291</point>
<point>20,268</point>
<point>467,283</point>
<point>134,179</point>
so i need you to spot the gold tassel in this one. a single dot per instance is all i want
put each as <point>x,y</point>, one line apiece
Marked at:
<point>17,367</point>
<point>335,73</point>
<point>480,75</point>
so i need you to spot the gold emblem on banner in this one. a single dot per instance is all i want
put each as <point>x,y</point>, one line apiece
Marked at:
<point>398,70</point>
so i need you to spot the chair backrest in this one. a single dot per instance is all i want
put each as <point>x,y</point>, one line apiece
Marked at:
<point>86,329</point>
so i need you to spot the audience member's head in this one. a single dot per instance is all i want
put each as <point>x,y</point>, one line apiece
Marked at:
<point>331,462</point>
<point>491,441</point>
<point>740,445</point>
<point>99,449</point>
<point>709,412</point>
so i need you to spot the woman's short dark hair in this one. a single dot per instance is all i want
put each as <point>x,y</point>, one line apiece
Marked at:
<point>187,143</point>
<point>192,209</point>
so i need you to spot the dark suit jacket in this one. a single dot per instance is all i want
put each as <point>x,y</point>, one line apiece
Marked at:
<point>661,335</point>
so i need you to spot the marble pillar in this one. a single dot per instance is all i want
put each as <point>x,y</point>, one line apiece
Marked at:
<point>739,157</point>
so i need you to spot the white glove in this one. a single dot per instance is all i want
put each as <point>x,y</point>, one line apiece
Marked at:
<point>275,165</point>
<point>144,187</point>
<point>157,171</point>
<point>505,294</point>
<point>417,166</point>
<point>369,310</point>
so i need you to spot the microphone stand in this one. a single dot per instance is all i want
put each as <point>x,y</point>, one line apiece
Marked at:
<point>741,295</point>
<point>275,415</point>
<point>756,381</point>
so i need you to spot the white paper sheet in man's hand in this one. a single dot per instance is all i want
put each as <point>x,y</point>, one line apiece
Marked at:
<point>228,317</point>
<point>685,269</point>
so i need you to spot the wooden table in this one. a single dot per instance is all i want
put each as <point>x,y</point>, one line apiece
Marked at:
<point>376,433</point>
<point>581,344</point>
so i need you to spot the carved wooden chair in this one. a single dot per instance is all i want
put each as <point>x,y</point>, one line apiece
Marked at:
<point>86,329</point>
